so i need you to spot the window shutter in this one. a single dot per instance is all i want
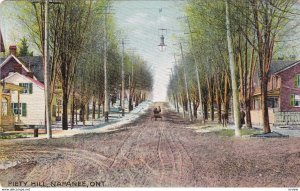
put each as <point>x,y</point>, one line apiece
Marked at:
<point>12,108</point>
<point>30,88</point>
<point>24,110</point>
<point>292,100</point>
<point>296,80</point>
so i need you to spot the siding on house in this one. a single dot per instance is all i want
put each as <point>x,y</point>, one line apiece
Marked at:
<point>288,88</point>
<point>35,102</point>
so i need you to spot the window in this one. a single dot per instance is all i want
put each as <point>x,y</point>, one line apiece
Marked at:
<point>27,88</point>
<point>297,80</point>
<point>274,82</point>
<point>22,109</point>
<point>256,103</point>
<point>295,100</point>
<point>272,102</point>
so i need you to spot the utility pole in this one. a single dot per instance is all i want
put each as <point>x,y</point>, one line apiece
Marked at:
<point>186,86</point>
<point>130,99</point>
<point>106,101</point>
<point>197,72</point>
<point>173,91</point>
<point>180,94</point>
<point>46,82</point>
<point>123,81</point>
<point>235,94</point>
<point>178,83</point>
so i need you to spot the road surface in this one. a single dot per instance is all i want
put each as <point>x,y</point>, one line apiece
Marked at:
<point>155,154</point>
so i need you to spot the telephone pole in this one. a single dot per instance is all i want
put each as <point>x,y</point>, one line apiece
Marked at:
<point>106,101</point>
<point>178,84</point>
<point>123,81</point>
<point>197,71</point>
<point>46,82</point>
<point>186,86</point>
<point>232,66</point>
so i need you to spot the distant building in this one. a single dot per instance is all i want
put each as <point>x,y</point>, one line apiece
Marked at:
<point>283,94</point>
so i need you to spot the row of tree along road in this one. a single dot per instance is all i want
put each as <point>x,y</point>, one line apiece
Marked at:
<point>231,40</point>
<point>84,54</point>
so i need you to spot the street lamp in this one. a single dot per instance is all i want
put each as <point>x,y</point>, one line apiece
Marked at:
<point>162,45</point>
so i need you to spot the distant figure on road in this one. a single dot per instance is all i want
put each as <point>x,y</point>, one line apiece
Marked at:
<point>155,110</point>
<point>159,110</point>
<point>156,113</point>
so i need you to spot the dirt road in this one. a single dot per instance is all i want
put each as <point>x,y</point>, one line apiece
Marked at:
<point>154,153</point>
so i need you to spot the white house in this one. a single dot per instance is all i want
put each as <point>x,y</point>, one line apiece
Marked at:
<point>32,100</point>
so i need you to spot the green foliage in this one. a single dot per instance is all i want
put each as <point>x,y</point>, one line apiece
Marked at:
<point>244,131</point>
<point>24,48</point>
<point>14,135</point>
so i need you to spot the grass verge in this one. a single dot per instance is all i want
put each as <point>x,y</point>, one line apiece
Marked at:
<point>14,136</point>
<point>231,133</point>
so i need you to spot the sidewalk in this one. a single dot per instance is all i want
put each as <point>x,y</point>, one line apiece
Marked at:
<point>213,126</point>
<point>99,125</point>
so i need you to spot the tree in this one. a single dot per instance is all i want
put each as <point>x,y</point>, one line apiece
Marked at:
<point>268,18</point>
<point>24,48</point>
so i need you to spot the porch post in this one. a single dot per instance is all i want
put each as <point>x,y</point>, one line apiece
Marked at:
<point>1,88</point>
<point>18,106</point>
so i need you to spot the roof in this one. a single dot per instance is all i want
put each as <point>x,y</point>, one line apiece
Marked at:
<point>35,65</point>
<point>6,60</point>
<point>41,85</point>
<point>281,65</point>
<point>31,63</point>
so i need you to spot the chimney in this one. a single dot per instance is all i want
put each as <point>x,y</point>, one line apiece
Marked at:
<point>13,50</point>
<point>29,74</point>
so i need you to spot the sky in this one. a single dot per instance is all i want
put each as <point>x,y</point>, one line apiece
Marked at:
<point>140,22</point>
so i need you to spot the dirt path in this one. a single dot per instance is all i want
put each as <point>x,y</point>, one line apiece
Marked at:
<point>154,153</point>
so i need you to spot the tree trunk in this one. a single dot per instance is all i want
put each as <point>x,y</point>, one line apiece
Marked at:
<point>73,111</point>
<point>185,105</point>
<point>226,105</point>
<point>205,107</point>
<point>219,109</point>
<point>103,108</point>
<point>76,116</point>
<point>94,109</point>
<point>130,107</point>
<point>174,101</point>
<point>212,113</point>
<point>264,96</point>
<point>87,111</point>
<point>65,111</point>
<point>136,100</point>
<point>248,113</point>
<point>177,105</point>
<point>195,107</point>
<point>99,111</point>
<point>82,113</point>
